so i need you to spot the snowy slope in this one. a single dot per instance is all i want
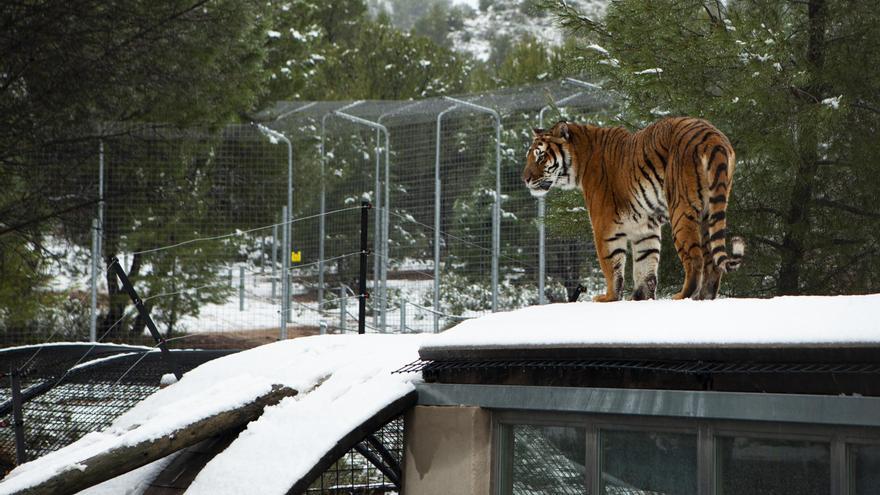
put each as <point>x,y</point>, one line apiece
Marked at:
<point>781,320</point>
<point>505,18</point>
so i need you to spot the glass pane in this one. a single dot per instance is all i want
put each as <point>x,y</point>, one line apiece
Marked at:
<point>639,462</point>
<point>866,467</point>
<point>548,460</point>
<point>761,466</point>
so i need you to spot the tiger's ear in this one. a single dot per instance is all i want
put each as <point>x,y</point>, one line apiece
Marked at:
<point>538,132</point>
<point>564,133</point>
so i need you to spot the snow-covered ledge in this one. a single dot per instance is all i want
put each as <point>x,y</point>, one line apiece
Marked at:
<point>689,329</point>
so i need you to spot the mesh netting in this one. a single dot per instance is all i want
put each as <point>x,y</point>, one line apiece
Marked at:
<point>354,473</point>
<point>73,389</point>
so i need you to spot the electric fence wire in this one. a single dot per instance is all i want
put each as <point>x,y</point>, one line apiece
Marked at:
<point>55,332</point>
<point>144,355</point>
<point>92,348</point>
<point>243,232</point>
<point>465,241</point>
<point>251,272</point>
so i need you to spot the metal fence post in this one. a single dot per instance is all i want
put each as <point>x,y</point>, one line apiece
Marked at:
<point>285,281</point>
<point>18,417</point>
<point>362,275</point>
<point>274,261</point>
<point>100,195</point>
<point>287,224</point>
<point>323,204</point>
<point>93,315</point>
<point>321,220</point>
<point>496,211</point>
<point>403,316</point>
<point>542,254</point>
<point>343,302</point>
<point>381,217</point>
<point>241,288</point>
<point>437,206</point>
<point>377,235</point>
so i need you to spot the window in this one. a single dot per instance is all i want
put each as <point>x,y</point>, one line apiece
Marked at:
<point>593,454</point>
<point>546,460</point>
<point>865,462</point>
<point>762,466</point>
<point>642,462</point>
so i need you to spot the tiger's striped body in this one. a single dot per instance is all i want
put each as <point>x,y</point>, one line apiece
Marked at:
<point>677,170</point>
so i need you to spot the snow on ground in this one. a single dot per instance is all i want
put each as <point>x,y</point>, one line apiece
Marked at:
<point>781,320</point>
<point>342,380</point>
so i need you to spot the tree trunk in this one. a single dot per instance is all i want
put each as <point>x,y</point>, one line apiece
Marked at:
<point>795,239</point>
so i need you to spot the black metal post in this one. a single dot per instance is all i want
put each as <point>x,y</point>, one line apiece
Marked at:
<point>144,313</point>
<point>18,418</point>
<point>362,276</point>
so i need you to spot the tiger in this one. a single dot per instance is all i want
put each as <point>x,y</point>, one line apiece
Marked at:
<point>677,170</point>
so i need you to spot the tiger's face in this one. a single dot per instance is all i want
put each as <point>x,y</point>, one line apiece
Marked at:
<point>545,164</point>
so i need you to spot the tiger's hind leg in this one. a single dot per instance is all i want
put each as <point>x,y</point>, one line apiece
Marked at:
<point>711,272</point>
<point>689,246</point>
<point>611,249</point>
<point>646,258</point>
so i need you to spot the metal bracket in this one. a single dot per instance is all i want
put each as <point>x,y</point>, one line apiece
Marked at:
<point>143,312</point>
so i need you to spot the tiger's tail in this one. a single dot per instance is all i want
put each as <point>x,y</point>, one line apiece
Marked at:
<point>719,171</point>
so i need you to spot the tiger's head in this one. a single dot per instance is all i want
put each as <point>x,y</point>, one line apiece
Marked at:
<point>548,161</point>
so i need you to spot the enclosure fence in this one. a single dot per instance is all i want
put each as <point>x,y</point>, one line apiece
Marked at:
<point>240,236</point>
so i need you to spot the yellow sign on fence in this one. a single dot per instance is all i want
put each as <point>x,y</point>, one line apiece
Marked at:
<point>296,256</point>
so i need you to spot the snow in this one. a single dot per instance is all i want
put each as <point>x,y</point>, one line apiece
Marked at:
<point>35,347</point>
<point>358,385</point>
<point>341,380</point>
<point>782,320</point>
<point>599,49</point>
<point>833,103</point>
<point>655,70</point>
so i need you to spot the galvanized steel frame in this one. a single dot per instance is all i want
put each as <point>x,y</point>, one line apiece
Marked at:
<point>496,210</point>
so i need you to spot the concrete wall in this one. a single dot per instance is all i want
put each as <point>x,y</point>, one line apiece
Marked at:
<point>447,451</point>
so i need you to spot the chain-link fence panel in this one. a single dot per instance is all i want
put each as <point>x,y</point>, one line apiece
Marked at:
<point>195,218</point>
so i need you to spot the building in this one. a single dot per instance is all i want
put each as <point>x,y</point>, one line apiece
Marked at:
<point>727,397</point>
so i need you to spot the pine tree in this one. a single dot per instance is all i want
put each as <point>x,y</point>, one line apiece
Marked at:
<point>791,84</point>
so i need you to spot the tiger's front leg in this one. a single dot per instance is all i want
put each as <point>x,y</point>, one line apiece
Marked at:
<point>646,258</point>
<point>611,249</point>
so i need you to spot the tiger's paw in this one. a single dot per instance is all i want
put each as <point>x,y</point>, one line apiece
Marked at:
<point>679,296</point>
<point>605,298</point>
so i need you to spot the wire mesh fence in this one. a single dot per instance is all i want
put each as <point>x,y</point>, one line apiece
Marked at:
<point>70,390</point>
<point>195,218</point>
<point>357,472</point>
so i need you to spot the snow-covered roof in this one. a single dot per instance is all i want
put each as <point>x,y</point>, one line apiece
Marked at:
<point>778,322</point>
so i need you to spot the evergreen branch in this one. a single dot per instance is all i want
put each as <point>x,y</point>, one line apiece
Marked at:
<point>571,19</point>
<point>865,106</point>
<point>767,242</point>
<point>830,203</point>
<point>763,209</point>
<point>48,216</point>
